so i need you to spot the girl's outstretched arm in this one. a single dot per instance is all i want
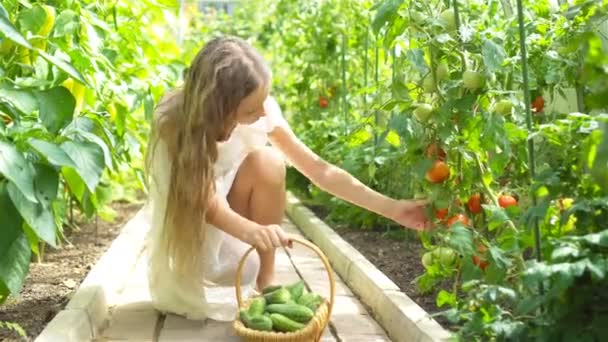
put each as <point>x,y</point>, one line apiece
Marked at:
<point>343,185</point>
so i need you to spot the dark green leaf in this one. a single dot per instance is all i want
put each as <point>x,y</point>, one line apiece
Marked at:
<point>31,19</point>
<point>565,252</point>
<point>493,55</point>
<point>506,328</point>
<point>597,239</point>
<point>496,216</point>
<point>15,251</point>
<point>461,239</point>
<point>498,257</point>
<point>16,169</point>
<point>530,304</point>
<point>65,66</point>
<point>74,181</point>
<point>39,215</point>
<point>66,23</point>
<point>10,31</point>
<point>56,108</point>
<point>416,57</point>
<point>20,99</point>
<point>89,161</point>
<point>599,168</point>
<point>148,106</point>
<point>387,12</point>
<point>52,153</point>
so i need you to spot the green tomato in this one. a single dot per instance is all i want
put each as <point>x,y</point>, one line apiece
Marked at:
<point>427,259</point>
<point>417,17</point>
<point>423,112</point>
<point>503,107</point>
<point>446,257</point>
<point>428,84</point>
<point>442,72</point>
<point>473,80</point>
<point>448,20</point>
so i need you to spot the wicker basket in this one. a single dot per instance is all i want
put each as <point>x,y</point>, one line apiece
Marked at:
<point>315,327</point>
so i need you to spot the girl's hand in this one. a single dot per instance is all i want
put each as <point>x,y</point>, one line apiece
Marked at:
<point>411,214</point>
<point>267,237</point>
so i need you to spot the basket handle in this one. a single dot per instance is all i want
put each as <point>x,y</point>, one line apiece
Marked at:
<point>332,282</point>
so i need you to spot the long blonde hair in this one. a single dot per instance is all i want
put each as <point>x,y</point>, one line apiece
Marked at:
<point>190,121</point>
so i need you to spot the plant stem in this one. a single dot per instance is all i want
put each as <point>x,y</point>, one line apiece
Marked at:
<point>526,86</point>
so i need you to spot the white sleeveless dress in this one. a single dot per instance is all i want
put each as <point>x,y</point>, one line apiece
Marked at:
<point>214,296</point>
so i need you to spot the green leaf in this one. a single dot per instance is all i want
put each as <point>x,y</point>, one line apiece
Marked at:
<point>507,329</point>
<point>461,239</point>
<point>39,215</point>
<point>599,169</point>
<point>149,106</point>
<point>565,252</point>
<point>498,258</point>
<point>22,100</point>
<point>66,23</point>
<point>416,57</point>
<point>10,31</point>
<point>15,251</point>
<point>493,55</point>
<point>56,108</point>
<point>74,181</point>
<point>529,304</point>
<point>89,160</point>
<point>597,239</point>
<point>65,66</point>
<point>387,12</point>
<point>31,19</point>
<point>107,154</point>
<point>445,297</point>
<point>52,152</point>
<point>16,169</point>
<point>496,216</point>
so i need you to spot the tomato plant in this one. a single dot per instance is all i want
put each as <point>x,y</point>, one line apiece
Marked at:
<point>421,82</point>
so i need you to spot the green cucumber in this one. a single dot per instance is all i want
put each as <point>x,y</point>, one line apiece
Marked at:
<point>296,289</point>
<point>257,306</point>
<point>271,288</point>
<point>280,296</point>
<point>298,313</point>
<point>284,324</point>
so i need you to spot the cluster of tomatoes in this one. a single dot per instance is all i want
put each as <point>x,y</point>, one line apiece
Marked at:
<point>439,172</point>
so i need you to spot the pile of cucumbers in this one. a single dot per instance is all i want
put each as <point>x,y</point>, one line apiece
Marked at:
<point>281,308</point>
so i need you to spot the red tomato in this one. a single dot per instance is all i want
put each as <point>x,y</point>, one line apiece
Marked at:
<point>458,218</point>
<point>438,173</point>
<point>323,102</point>
<point>506,201</point>
<point>475,204</point>
<point>441,214</point>
<point>434,151</point>
<point>482,264</point>
<point>538,105</point>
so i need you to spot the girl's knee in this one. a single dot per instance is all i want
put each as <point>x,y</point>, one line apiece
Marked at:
<point>268,165</point>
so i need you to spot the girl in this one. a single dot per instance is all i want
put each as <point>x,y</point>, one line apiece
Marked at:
<point>217,188</point>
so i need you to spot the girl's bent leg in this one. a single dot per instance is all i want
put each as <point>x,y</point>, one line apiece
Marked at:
<point>258,193</point>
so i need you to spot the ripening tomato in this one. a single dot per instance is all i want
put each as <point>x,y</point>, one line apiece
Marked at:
<point>482,264</point>
<point>458,218</point>
<point>538,105</point>
<point>441,214</point>
<point>506,201</point>
<point>438,173</point>
<point>323,102</point>
<point>475,204</point>
<point>434,151</point>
